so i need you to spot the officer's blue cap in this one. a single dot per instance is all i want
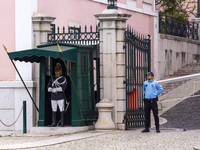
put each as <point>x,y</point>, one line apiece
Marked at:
<point>150,74</point>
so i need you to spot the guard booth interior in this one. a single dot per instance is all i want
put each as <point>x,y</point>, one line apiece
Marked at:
<point>79,74</point>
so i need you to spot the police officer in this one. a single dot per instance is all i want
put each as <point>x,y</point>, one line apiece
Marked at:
<point>57,85</point>
<point>151,89</point>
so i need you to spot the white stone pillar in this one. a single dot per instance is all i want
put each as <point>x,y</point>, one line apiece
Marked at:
<point>41,27</point>
<point>112,61</point>
<point>105,121</point>
<point>197,20</point>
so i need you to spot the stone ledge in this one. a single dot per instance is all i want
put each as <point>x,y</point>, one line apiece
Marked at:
<point>17,84</point>
<point>197,147</point>
<point>177,38</point>
<point>59,130</point>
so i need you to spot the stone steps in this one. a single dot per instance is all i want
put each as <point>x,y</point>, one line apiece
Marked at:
<point>188,69</point>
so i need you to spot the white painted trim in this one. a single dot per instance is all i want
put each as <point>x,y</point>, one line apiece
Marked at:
<point>156,42</point>
<point>124,6</point>
<point>23,24</point>
<point>74,24</point>
<point>148,2</point>
<point>17,84</point>
<point>24,33</point>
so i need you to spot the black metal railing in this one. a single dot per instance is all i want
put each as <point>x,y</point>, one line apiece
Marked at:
<point>74,35</point>
<point>178,27</point>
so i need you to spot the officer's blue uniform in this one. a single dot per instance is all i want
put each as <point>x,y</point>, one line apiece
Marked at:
<point>151,91</point>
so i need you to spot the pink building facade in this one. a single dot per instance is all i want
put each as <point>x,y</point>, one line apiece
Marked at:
<point>17,34</point>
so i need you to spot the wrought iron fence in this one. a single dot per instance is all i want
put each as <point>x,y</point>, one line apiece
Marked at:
<point>178,27</point>
<point>74,35</point>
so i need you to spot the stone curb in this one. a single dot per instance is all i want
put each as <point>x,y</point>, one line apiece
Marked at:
<point>197,147</point>
<point>52,141</point>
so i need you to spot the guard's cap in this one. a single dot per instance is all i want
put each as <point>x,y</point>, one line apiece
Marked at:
<point>150,74</point>
<point>58,67</point>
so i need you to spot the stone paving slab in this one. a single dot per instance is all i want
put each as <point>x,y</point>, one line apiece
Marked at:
<point>184,115</point>
<point>51,141</point>
<point>197,147</point>
<point>172,139</point>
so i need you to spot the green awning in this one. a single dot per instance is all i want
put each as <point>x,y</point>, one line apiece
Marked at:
<point>44,51</point>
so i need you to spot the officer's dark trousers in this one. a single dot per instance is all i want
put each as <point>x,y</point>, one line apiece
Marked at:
<point>148,106</point>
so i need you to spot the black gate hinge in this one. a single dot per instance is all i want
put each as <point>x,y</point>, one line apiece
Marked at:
<point>124,82</point>
<point>124,46</point>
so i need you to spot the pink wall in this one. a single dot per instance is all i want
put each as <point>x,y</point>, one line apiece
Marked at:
<point>71,10</point>
<point>78,11</point>
<point>139,3</point>
<point>83,11</point>
<point>122,1</point>
<point>7,37</point>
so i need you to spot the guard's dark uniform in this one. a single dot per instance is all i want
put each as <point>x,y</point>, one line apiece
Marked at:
<point>57,85</point>
<point>151,91</point>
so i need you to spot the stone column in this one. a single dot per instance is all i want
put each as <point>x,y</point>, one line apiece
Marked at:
<point>112,61</point>
<point>41,27</point>
<point>197,20</point>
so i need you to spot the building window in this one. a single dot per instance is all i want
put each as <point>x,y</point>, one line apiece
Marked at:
<point>75,32</point>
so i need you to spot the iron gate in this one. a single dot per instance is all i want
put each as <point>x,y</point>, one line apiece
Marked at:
<point>138,62</point>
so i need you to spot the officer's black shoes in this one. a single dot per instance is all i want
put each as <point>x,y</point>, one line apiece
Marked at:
<point>145,131</point>
<point>157,131</point>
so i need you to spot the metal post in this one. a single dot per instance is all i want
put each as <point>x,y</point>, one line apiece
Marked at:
<point>24,116</point>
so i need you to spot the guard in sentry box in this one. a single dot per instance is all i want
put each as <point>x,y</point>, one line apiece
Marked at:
<point>57,85</point>
<point>151,89</point>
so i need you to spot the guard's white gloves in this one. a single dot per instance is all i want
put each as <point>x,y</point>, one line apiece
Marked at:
<point>54,90</point>
<point>59,89</point>
<point>49,89</point>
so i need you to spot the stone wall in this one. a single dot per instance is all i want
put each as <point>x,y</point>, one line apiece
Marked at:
<point>12,96</point>
<point>174,53</point>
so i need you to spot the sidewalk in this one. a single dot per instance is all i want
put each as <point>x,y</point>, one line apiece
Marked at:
<point>175,134</point>
<point>38,142</point>
<point>174,139</point>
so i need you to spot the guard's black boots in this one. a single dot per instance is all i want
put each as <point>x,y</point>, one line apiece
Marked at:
<point>145,130</point>
<point>62,119</point>
<point>54,124</point>
<point>157,130</point>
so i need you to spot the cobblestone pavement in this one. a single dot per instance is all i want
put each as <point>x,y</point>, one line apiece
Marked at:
<point>133,140</point>
<point>182,115</point>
